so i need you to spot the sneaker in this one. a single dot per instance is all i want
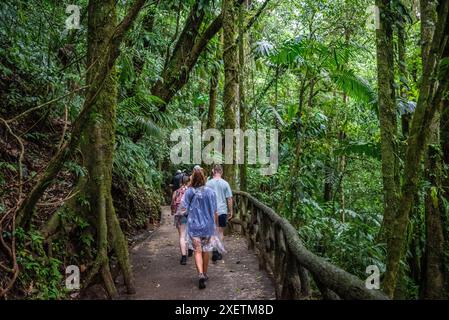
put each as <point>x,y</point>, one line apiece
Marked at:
<point>202,282</point>
<point>183,260</point>
<point>190,252</point>
<point>219,256</point>
<point>215,256</point>
<point>206,277</point>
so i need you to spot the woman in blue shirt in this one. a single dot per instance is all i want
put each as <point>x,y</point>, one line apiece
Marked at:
<point>201,207</point>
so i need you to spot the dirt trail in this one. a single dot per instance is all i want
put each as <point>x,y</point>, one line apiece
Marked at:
<point>159,275</point>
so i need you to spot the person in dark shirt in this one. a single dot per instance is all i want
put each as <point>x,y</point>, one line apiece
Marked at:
<point>176,181</point>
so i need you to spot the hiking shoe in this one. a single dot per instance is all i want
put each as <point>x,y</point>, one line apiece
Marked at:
<point>215,256</point>
<point>202,282</point>
<point>190,252</point>
<point>183,260</point>
<point>219,256</point>
<point>206,277</point>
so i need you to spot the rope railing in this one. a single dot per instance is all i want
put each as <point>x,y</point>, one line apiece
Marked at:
<point>282,253</point>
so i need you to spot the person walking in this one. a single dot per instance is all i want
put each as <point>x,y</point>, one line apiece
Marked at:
<point>200,203</point>
<point>223,193</point>
<point>180,217</point>
<point>176,180</point>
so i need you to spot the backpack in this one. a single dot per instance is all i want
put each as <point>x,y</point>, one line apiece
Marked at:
<point>177,200</point>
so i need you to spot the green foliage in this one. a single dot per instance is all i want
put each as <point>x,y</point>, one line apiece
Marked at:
<point>356,87</point>
<point>360,148</point>
<point>42,276</point>
<point>133,163</point>
<point>350,244</point>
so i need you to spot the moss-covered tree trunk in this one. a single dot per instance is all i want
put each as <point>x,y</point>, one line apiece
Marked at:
<point>430,96</point>
<point>97,147</point>
<point>444,141</point>
<point>213,95</point>
<point>191,43</point>
<point>230,96</point>
<point>414,246</point>
<point>242,94</point>
<point>433,275</point>
<point>403,74</point>
<point>444,144</point>
<point>387,115</point>
<point>176,70</point>
<point>211,121</point>
<point>290,184</point>
<point>432,282</point>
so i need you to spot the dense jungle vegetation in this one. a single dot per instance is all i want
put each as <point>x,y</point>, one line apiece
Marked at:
<point>357,90</point>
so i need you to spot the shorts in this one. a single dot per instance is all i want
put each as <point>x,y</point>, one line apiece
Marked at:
<point>206,244</point>
<point>222,220</point>
<point>178,220</point>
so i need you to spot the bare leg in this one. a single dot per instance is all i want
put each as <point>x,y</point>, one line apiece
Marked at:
<point>182,239</point>
<point>205,261</point>
<point>198,255</point>
<point>221,233</point>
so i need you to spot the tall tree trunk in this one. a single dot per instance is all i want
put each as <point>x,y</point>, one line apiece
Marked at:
<point>328,173</point>
<point>242,94</point>
<point>176,71</point>
<point>430,96</point>
<point>98,146</point>
<point>433,274</point>
<point>213,95</point>
<point>290,184</point>
<point>230,96</point>
<point>415,243</point>
<point>432,282</point>
<point>403,75</point>
<point>444,141</point>
<point>387,116</point>
<point>211,121</point>
<point>186,52</point>
<point>342,169</point>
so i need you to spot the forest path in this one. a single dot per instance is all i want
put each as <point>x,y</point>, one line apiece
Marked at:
<point>159,275</point>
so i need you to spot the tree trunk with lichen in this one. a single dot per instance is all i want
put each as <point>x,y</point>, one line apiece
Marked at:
<point>430,96</point>
<point>211,121</point>
<point>97,146</point>
<point>414,245</point>
<point>230,96</point>
<point>191,43</point>
<point>387,116</point>
<point>444,145</point>
<point>432,277</point>
<point>242,94</point>
<point>213,94</point>
<point>432,284</point>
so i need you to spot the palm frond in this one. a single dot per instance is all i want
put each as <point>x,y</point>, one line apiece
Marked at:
<point>356,87</point>
<point>148,126</point>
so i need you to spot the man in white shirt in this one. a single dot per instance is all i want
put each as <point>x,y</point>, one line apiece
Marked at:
<point>224,202</point>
